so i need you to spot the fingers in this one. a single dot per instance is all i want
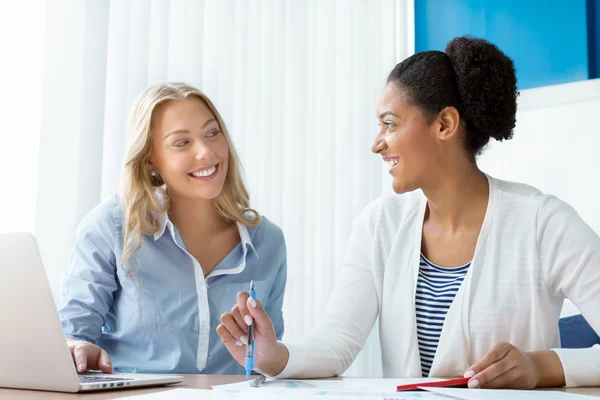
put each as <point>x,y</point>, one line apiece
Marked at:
<point>498,352</point>
<point>104,362</point>
<point>237,316</point>
<point>87,356</point>
<point>505,366</point>
<point>496,373</point>
<point>234,329</point>
<point>242,298</point>
<point>225,335</point>
<point>80,357</point>
<point>257,312</point>
<point>509,379</point>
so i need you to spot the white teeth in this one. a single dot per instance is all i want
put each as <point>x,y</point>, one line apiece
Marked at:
<point>392,163</point>
<point>207,172</point>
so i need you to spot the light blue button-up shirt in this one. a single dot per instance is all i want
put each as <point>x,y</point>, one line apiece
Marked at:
<point>167,322</point>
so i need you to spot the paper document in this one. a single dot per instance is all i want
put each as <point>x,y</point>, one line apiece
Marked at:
<point>497,394</point>
<point>377,387</point>
<point>348,389</point>
<point>257,394</point>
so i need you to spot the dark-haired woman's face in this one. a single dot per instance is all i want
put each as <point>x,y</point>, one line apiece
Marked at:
<point>405,140</point>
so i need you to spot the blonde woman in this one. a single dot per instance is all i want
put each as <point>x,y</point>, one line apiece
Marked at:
<point>154,268</point>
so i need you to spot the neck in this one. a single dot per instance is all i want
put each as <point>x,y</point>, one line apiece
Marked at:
<point>197,215</point>
<point>459,197</point>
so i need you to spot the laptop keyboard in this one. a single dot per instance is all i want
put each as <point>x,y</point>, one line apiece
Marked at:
<point>94,378</point>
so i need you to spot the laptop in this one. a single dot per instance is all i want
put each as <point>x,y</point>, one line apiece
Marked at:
<point>33,350</point>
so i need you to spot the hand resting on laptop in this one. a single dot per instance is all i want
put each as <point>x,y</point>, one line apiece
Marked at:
<point>87,356</point>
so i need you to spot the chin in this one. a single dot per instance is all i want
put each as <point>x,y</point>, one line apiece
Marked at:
<point>208,194</point>
<point>401,186</point>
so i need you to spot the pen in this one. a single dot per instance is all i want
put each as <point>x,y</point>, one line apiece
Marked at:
<point>250,351</point>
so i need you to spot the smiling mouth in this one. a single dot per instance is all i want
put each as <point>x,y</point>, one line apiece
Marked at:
<point>205,173</point>
<point>392,163</point>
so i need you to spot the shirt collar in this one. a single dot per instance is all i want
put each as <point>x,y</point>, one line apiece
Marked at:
<point>162,219</point>
<point>246,239</point>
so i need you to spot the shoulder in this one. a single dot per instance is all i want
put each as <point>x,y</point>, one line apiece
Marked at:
<point>555,215</point>
<point>266,234</point>
<point>516,190</point>
<point>527,206</point>
<point>105,218</point>
<point>520,196</point>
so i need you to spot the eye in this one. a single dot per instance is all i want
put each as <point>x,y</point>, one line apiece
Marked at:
<point>181,143</point>
<point>389,124</point>
<point>213,133</point>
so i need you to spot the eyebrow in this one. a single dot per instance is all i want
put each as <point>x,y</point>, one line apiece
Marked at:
<point>186,131</point>
<point>385,114</point>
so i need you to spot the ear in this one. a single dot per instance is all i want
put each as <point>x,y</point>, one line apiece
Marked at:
<point>449,123</point>
<point>149,163</point>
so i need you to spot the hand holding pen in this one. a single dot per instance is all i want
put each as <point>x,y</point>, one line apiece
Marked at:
<point>270,356</point>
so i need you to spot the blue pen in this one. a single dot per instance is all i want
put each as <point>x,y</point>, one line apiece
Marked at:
<point>250,350</point>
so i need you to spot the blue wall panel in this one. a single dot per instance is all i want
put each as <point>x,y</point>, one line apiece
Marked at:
<point>593,24</point>
<point>547,39</point>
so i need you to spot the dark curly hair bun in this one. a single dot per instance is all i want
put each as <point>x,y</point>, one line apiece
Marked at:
<point>474,77</point>
<point>488,89</point>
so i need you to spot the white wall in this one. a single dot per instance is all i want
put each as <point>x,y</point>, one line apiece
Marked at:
<point>555,148</point>
<point>22,30</point>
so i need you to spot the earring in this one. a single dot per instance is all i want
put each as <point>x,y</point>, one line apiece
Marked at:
<point>153,173</point>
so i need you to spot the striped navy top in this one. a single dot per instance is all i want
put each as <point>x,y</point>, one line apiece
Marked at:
<point>436,288</point>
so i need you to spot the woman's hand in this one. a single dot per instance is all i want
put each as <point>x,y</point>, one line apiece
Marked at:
<point>271,356</point>
<point>88,356</point>
<point>507,367</point>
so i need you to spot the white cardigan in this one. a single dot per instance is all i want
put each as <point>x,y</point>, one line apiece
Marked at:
<point>533,251</point>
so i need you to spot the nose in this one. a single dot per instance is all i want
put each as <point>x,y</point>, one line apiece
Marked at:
<point>379,144</point>
<point>201,150</point>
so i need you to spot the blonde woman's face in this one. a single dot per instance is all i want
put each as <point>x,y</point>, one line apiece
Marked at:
<point>189,149</point>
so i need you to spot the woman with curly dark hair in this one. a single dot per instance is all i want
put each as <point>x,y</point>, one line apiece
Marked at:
<point>468,275</point>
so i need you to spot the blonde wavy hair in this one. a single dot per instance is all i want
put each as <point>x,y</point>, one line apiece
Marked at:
<point>143,195</point>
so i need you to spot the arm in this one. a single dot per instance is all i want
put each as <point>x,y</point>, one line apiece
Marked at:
<point>274,305</point>
<point>87,288</point>
<point>569,251</point>
<point>333,344</point>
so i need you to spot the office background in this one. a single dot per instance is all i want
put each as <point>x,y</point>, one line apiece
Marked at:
<point>296,82</point>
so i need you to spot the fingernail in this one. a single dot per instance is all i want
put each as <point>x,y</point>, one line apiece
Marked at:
<point>81,368</point>
<point>469,373</point>
<point>244,339</point>
<point>237,342</point>
<point>248,320</point>
<point>252,302</point>
<point>474,384</point>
